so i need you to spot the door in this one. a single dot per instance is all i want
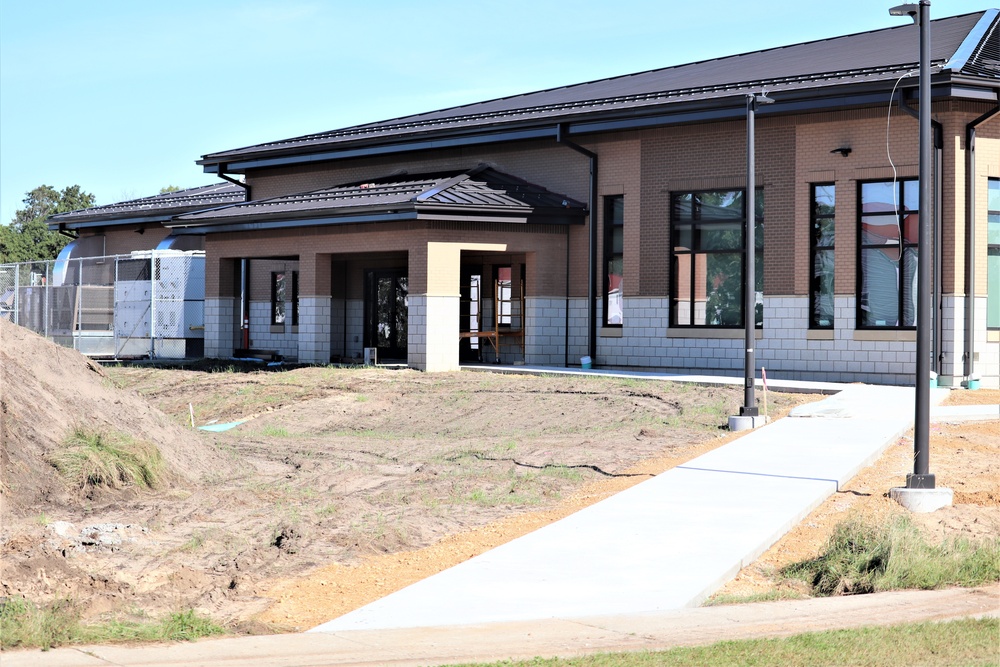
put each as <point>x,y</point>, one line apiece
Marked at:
<point>385,312</point>
<point>469,315</point>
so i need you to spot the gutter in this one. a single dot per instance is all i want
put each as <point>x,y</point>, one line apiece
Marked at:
<point>970,239</point>
<point>592,258</point>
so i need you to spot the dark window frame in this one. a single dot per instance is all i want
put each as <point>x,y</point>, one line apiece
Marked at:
<point>613,204</point>
<point>278,286</point>
<point>900,214</point>
<point>295,298</point>
<point>698,229</point>
<point>991,249</point>
<point>815,219</point>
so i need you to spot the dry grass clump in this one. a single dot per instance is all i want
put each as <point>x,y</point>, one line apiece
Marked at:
<point>107,459</point>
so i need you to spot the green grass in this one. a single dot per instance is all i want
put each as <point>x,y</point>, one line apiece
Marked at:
<point>766,596</point>
<point>967,642</point>
<point>107,459</point>
<point>275,432</point>
<point>863,557</point>
<point>24,624</point>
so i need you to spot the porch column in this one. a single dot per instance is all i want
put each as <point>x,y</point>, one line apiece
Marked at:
<point>432,339</point>
<point>314,309</point>
<point>220,317</point>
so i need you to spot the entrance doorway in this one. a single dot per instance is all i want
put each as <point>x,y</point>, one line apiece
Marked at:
<point>385,312</point>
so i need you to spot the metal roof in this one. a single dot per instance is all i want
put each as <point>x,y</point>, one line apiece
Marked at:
<point>481,193</point>
<point>877,57</point>
<point>157,208</point>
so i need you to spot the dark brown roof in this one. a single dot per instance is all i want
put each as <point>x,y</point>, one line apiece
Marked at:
<point>157,208</point>
<point>874,57</point>
<point>476,194</point>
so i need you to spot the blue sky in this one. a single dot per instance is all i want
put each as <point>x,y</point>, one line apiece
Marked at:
<point>122,97</point>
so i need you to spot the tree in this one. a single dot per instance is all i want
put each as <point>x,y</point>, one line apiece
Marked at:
<point>169,188</point>
<point>27,237</point>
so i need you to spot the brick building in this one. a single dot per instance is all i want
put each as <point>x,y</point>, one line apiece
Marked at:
<point>607,220</point>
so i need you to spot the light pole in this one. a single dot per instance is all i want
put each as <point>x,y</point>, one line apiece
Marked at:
<point>749,407</point>
<point>921,478</point>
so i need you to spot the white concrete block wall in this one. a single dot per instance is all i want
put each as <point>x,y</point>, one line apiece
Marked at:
<point>219,327</point>
<point>987,366</point>
<point>338,327</point>
<point>262,338</point>
<point>545,341</point>
<point>314,330</point>
<point>416,332</point>
<point>953,341</point>
<point>355,328</point>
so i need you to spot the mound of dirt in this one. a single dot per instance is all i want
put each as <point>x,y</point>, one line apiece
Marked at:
<point>46,391</point>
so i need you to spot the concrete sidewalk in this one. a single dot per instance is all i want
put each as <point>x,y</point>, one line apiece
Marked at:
<point>666,543</point>
<point>523,640</point>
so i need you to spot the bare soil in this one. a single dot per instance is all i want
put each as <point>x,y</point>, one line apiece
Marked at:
<point>343,485</point>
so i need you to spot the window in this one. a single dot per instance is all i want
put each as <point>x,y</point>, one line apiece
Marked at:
<point>707,268</point>
<point>279,293</point>
<point>614,243</point>
<point>278,297</point>
<point>887,254</point>
<point>821,243</point>
<point>993,255</point>
<point>295,298</point>
<point>503,295</point>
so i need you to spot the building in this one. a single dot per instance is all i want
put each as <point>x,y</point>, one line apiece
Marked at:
<point>606,219</point>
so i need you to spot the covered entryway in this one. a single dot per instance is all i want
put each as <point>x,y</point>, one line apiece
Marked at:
<point>386,308</point>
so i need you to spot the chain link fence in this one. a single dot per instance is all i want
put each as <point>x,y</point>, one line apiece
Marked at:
<point>143,305</point>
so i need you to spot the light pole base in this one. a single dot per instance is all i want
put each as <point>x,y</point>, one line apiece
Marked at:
<point>922,501</point>
<point>746,422</point>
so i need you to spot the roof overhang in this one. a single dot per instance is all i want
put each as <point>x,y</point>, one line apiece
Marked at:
<point>945,85</point>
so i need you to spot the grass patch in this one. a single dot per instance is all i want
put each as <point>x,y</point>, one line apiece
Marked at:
<point>24,624</point>
<point>275,432</point>
<point>965,642</point>
<point>766,596</point>
<point>864,557</point>
<point>107,459</point>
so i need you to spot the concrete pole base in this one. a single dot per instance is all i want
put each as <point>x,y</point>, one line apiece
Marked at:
<point>746,422</point>
<point>922,501</point>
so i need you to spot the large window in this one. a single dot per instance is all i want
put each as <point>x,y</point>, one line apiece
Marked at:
<point>707,265</point>
<point>887,259</point>
<point>614,243</point>
<point>993,256</point>
<point>821,243</point>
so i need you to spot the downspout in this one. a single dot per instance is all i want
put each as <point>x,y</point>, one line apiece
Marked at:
<point>938,294</point>
<point>592,263</point>
<point>937,140</point>
<point>566,325</point>
<point>245,302</point>
<point>224,176</point>
<point>970,239</point>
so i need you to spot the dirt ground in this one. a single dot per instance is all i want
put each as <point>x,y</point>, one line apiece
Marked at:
<point>346,484</point>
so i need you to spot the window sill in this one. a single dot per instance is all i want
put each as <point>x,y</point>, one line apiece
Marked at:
<point>295,329</point>
<point>890,335</point>
<point>993,336</point>
<point>277,328</point>
<point>819,334</point>
<point>611,332</point>
<point>732,334</point>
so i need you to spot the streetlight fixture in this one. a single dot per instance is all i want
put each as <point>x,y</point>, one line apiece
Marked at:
<point>920,494</point>
<point>921,478</point>
<point>749,407</point>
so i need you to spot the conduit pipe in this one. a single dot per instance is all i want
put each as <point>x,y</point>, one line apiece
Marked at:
<point>970,239</point>
<point>592,261</point>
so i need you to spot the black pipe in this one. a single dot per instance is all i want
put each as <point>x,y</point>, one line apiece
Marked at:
<point>221,173</point>
<point>937,343</point>
<point>566,325</point>
<point>970,240</point>
<point>592,264</point>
